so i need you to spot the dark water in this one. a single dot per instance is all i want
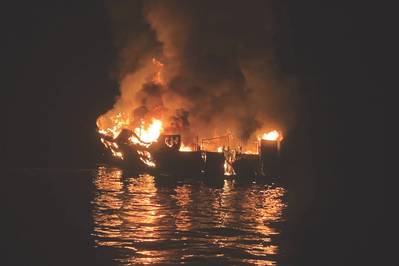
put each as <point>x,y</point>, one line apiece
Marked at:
<point>107,217</point>
<point>141,221</point>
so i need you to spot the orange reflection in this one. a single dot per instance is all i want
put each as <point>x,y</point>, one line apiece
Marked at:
<point>126,211</point>
<point>250,210</point>
<point>149,223</point>
<point>183,200</point>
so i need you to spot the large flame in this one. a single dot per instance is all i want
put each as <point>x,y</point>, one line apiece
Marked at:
<point>151,133</point>
<point>144,136</point>
<point>111,125</point>
<point>118,121</point>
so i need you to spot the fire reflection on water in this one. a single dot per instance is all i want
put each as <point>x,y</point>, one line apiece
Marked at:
<point>142,222</point>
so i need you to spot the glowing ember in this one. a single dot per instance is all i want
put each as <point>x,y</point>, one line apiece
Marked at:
<point>220,149</point>
<point>272,136</point>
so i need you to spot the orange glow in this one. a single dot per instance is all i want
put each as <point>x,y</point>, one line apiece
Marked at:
<point>227,170</point>
<point>134,210</point>
<point>250,152</point>
<point>142,114</point>
<point>151,133</point>
<point>113,147</point>
<point>146,135</point>
<point>184,148</point>
<point>272,136</point>
<point>119,122</point>
<point>157,79</point>
<point>111,125</point>
<point>146,158</point>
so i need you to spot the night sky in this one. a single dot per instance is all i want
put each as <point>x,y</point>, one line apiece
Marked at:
<point>58,76</point>
<point>59,57</point>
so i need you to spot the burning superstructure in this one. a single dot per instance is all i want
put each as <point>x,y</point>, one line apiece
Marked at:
<point>198,90</point>
<point>146,133</point>
<point>147,148</point>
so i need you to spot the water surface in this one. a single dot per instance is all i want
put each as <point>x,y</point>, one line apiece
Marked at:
<point>106,216</point>
<point>147,220</point>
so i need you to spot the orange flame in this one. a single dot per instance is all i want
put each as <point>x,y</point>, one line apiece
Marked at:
<point>113,147</point>
<point>185,148</point>
<point>146,158</point>
<point>249,151</point>
<point>119,122</point>
<point>272,136</point>
<point>146,136</point>
<point>111,125</point>
<point>151,133</point>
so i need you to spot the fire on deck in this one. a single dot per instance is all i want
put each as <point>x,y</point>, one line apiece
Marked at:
<point>166,154</point>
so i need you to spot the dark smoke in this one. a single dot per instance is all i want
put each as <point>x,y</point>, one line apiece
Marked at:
<point>220,68</point>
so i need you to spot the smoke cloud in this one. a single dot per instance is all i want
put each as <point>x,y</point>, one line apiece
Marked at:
<point>218,67</point>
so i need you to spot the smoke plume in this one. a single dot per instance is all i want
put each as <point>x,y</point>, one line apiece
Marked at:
<point>215,69</point>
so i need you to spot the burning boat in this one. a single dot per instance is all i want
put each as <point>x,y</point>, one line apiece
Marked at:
<point>156,125</point>
<point>147,150</point>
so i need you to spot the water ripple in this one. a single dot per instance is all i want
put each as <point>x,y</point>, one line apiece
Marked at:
<point>140,221</point>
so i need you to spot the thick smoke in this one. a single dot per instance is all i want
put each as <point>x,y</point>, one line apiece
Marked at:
<point>219,69</point>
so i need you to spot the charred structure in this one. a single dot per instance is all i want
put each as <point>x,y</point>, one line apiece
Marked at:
<point>165,157</point>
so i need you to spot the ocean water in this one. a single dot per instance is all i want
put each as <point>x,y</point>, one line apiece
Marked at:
<point>105,216</point>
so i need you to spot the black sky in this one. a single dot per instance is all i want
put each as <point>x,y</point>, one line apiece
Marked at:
<point>58,56</point>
